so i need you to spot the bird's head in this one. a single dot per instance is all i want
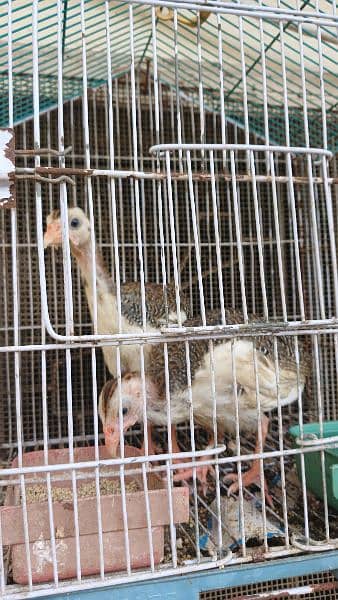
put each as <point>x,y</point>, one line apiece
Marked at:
<point>132,406</point>
<point>78,227</point>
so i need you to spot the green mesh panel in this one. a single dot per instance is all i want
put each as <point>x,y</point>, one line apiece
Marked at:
<point>277,134</point>
<point>188,68</point>
<point>23,94</point>
<point>72,88</point>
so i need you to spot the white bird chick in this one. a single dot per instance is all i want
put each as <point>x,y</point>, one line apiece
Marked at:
<point>132,411</point>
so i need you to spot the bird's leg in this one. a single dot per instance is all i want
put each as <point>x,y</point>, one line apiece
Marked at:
<point>201,471</point>
<point>174,442</point>
<point>175,447</point>
<point>253,474</point>
<point>151,446</point>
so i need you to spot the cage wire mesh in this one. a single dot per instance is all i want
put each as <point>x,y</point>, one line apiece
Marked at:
<point>224,85</point>
<point>323,587</point>
<point>30,327</point>
<point>276,37</point>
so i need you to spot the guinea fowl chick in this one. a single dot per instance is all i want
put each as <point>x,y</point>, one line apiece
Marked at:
<point>227,355</point>
<point>160,302</point>
<point>132,408</point>
<point>132,413</point>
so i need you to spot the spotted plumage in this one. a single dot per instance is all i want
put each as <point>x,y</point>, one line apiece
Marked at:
<point>226,354</point>
<point>160,304</point>
<point>177,357</point>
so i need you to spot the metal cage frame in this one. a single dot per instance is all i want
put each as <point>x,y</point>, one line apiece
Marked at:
<point>183,174</point>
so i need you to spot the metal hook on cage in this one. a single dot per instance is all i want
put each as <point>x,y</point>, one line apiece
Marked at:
<point>167,14</point>
<point>61,179</point>
<point>43,152</point>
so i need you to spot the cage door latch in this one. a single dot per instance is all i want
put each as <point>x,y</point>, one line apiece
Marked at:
<point>7,168</point>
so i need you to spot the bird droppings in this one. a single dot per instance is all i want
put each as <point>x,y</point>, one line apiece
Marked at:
<point>39,493</point>
<point>43,553</point>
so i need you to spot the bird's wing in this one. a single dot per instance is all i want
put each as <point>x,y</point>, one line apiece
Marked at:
<point>286,347</point>
<point>263,376</point>
<point>160,304</point>
<point>177,356</point>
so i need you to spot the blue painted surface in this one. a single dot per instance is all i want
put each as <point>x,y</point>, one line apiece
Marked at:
<point>188,587</point>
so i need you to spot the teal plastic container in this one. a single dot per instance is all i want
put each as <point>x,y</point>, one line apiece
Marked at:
<point>313,469</point>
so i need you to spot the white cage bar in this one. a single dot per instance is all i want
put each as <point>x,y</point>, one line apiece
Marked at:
<point>199,143</point>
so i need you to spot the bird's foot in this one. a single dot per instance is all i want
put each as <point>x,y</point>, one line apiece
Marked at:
<point>249,477</point>
<point>201,475</point>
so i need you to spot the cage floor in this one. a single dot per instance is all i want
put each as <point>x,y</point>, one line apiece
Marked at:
<point>189,535</point>
<point>187,549</point>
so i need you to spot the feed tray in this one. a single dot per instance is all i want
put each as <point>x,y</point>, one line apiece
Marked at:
<point>312,460</point>
<point>113,538</point>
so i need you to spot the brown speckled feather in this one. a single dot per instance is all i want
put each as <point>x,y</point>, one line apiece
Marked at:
<point>160,303</point>
<point>178,378</point>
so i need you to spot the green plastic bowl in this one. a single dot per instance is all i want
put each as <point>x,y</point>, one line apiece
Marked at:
<point>313,469</point>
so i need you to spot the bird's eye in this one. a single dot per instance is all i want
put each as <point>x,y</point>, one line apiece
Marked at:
<point>75,222</point>
<point>124,411</point>
<point>264,350</point>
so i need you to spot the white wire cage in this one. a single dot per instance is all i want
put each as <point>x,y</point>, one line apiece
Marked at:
<point>206,162</point>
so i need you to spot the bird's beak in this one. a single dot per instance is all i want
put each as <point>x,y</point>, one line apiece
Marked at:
<point>112,434</point>
<point>112,438</point>
<point>52,235</point>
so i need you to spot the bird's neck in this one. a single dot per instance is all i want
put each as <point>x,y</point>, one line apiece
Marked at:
<point>157,410</point>
<point>84,259</point>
